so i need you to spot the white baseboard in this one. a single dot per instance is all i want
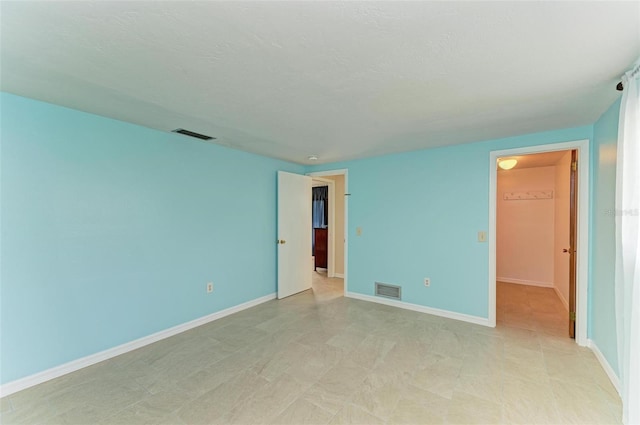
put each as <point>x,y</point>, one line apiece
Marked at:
<point>605,364</point>
<point>525,282</point>
<point>339,275</point>
<point>55,372</point>
<point>564,301</point>
<point>420,308</point>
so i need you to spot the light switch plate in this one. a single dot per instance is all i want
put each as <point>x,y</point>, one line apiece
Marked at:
<point>482,236</point>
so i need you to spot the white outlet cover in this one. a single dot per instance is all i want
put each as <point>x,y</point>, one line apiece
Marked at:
<point>427,281</point>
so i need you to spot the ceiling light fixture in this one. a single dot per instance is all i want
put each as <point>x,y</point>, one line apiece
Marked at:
<point>312,158</point>
<point>507,164</point>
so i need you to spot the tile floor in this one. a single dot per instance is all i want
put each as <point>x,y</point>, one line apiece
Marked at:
<point>531,307</point>
<point>319,358</point>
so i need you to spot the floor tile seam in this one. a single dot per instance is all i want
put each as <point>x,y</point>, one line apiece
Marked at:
<point>362,410</point>
<point>132,405</point>
<point>429,389</point>
<point>59,413</point>
<point>615,411</point>
<point>527,362</point>
<point>608,408</point>
<point>299,397</point>
<point>239,400</point>
<point>501,402</point>
<point>244,348</point>
<point>173,381</point>
<point>594,385</point>
<point>271,415</point>
<point>334,415</point>
<point>524,378</point>
<point>11,409</point>
<point>26,409</point>
<point>312,401</point>
<point>395,406</point>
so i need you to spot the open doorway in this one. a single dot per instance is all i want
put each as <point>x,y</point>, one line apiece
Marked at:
<point>320,223</point>
<point>329,232</point>
<point>535,261</point>
<point>577,251</point>
<point>295,269</point>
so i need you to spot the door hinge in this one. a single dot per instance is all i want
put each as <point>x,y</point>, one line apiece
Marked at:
<point>574,166</point>
<point>572,316</point>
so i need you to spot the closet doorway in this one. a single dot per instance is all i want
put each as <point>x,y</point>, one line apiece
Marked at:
<point>535,244</point>
<point>578,247</point>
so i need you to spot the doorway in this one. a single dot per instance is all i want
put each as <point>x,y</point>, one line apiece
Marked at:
<point>580,247</point>
<point>294,267</point>
<point>535,264</point>
<point>334,274</point>
<point>320,204</point>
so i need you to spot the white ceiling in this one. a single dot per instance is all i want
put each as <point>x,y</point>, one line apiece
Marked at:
<point>339,80</point>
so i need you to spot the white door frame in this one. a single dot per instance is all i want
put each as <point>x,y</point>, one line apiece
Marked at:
<point>345,173</point>
<point>582,260</point>
<point>331,195</point>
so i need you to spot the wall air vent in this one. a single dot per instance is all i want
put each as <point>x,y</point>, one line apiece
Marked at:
<point>388,291</point>
<point>192,134</point>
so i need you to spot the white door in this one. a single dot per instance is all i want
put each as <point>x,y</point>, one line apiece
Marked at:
<point>294,233</point>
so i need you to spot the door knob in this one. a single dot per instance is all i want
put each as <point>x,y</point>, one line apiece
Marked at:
<point>281,241</point>
<point>565,250</point>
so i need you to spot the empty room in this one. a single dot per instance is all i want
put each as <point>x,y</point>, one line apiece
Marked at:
<point>319,212</point>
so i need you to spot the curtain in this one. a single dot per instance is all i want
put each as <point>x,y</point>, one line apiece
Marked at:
<point>627,278</point>
<point>319,211</point>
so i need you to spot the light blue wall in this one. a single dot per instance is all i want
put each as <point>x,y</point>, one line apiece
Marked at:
<point>420,213</point>
<point>602,326</point>
<point>110,232</point>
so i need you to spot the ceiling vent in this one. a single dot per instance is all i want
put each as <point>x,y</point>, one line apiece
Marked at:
<point>388,291</point>
<point>192,134</point>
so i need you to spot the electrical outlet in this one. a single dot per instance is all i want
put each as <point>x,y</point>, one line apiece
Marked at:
<point>209,287</point>
<point>427,281</point>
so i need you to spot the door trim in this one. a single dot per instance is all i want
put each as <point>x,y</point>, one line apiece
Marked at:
<point>574,183</point>
<point>345,173</point>
<point>582,267</point>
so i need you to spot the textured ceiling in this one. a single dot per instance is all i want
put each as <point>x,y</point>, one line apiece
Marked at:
<point>339,80</point>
